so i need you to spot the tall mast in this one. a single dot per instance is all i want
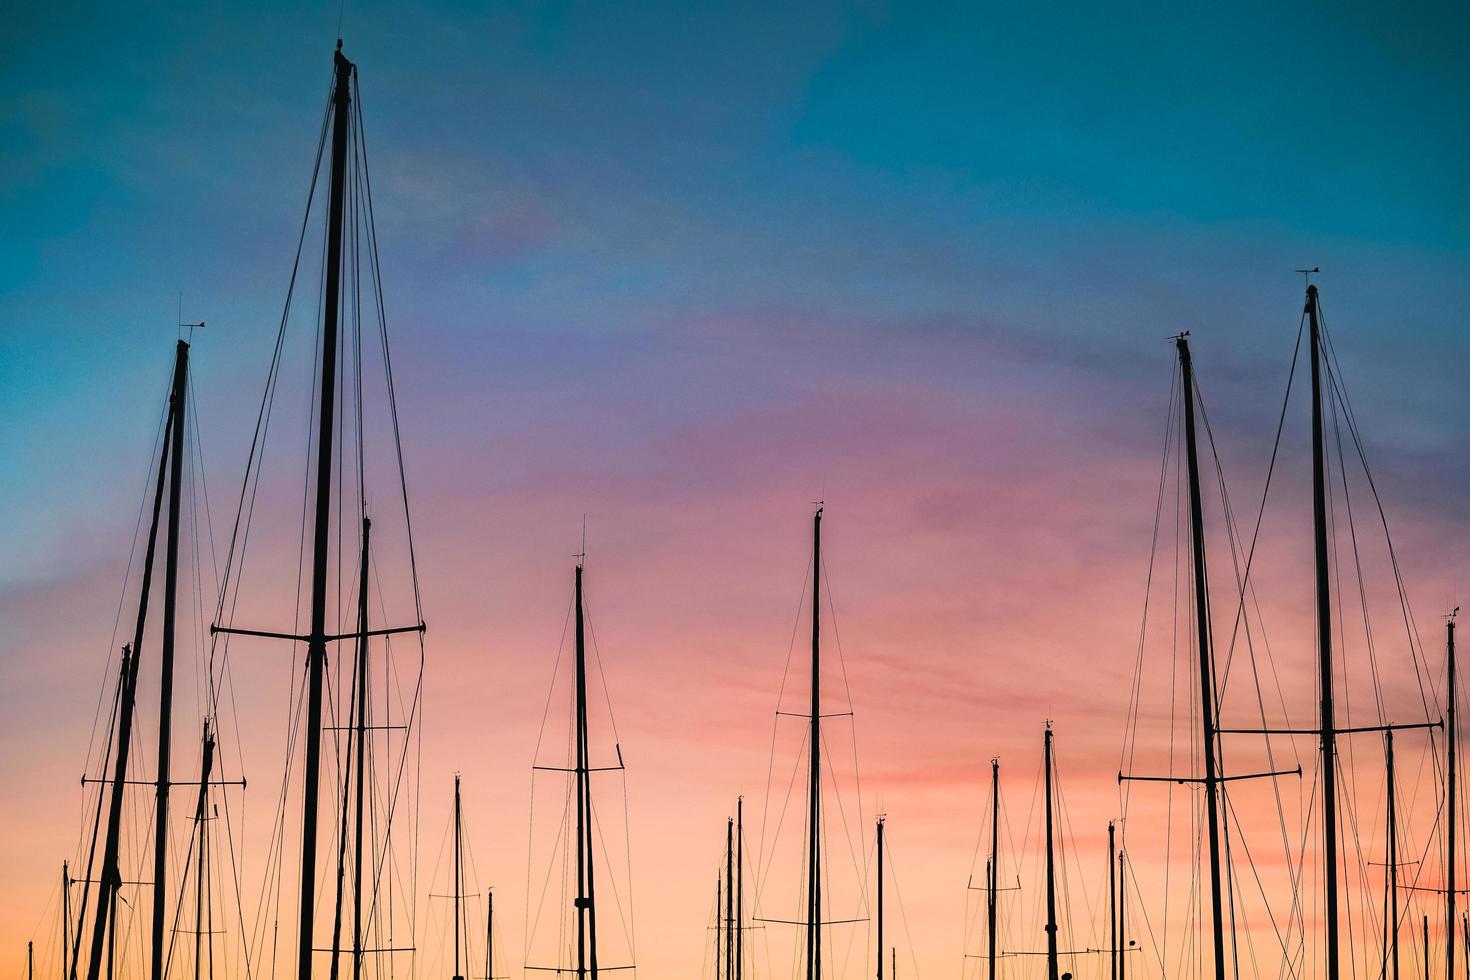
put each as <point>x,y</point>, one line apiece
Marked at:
<point>586,903</point>
<point>65,913</point>
<point>356,760</point>
<point>125,675</point>
<point>1451,806</point>
<point>1052,964</point>
<point>719,928</point>
<point>1112,904</point>
<point>1206,656</point>
<point>201,831</point>
<point>179,401</point>
<point>1324,643</point>
<point>458,876</point>
<point>1391,864</point>
<point>814,786</point>
<point>729,899</point>
<point>111,879</point>
<point>316,653</point>
<point>362,707</point>
<point>1122,914</point>
<point>994,870</point>
<point>739,888</point>
<point>880,898</point>
<point>489,934</point>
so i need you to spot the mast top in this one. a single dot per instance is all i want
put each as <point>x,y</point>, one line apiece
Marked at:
<point>344,69</point>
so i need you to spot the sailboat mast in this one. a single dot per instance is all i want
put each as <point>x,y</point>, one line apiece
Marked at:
<point>586,904</point>
<point>1324,644</point>
<point>65,914</point>
<point>1052,963</point>
<point>729,899</point>
<point>1391,862</point>
<point>355,762</point>
<point>111,879</point>
<point>1112,904</point>
<point>179,401</point>
<point>719,928</point>
<point>1426,946</point>
<point>739,888</point>
<point>994,870</point>
<point>201,825</point>
<point>321,546</point>
<point>1206,656</point>
<point>1451,805</point>
<point>489,934</point>
<point>458,877</point>
<point>361,760</point>
<point>1122,913</point>
<point>880,898</point>
<point>814,786</point>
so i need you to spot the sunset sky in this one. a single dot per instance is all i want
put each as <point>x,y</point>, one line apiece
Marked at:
<point>683,269</point>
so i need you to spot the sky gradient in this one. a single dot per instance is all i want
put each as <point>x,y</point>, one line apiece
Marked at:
<point>685,269</point>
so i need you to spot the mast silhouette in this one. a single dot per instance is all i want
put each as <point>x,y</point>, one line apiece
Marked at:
<point>1324,644</point>
<point>739,887</point>
<point>489,934</point>
<point>814,787</point>
<point>316,653</point>
<point>65,913</point>
<point>201,835</point>
<point>170,462</point>
<point>586,905</point>
<point>1391,865</point>
<point>1052,962</point>
<point>356,766</point>
<point>362,709</point>
<point>1113,952</point>
<point>458,876</point>
<point>993,871</point>
<point>880,898</point>
<point>1208,700</point>
<point>123,677</point>
<point>1122,918</point>
<point>1451,805</point>
<point>729,899</point>
<point>166,657</point>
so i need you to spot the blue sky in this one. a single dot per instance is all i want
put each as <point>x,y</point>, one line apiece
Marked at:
<point>1069,182</point>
